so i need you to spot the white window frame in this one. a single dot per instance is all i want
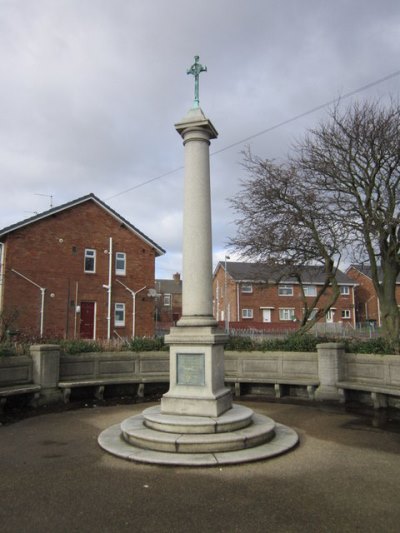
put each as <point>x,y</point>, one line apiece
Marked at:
<point>346,314</point>
<point>287,314</point>
<point>310,290</point>
<point>285,290</point>
<point>167,300</point>
<point>246,288</point>
<point>247,313</point>
<point>345,290</point>
<point>90,253</point>
<point>120,256</point>
<point>118,308</point>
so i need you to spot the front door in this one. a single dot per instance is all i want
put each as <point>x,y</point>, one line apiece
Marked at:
<point>87,320</point>
<point>266,315</point>
<point>329,316</point>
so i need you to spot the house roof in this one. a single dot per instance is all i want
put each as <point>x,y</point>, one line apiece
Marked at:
<point>90,197</point>
<point>366,270</point>
<point>169,286</point>
<point>261,273</point>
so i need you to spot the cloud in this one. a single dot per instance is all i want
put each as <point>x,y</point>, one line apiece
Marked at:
<point>90,92</point>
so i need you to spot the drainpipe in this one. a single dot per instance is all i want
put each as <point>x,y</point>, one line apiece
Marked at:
<point>2,253</point>
<point>42,291</point>
<point>108,287</point>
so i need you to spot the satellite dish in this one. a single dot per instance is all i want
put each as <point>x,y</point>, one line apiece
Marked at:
<point>152,293</point>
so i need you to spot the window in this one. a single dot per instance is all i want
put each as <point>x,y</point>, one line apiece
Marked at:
<point>120,263</point>
<point>167,300</point>
<point>344,290</point>
<point>312,313</point>
<point>247,288</point>
<point>346,313</point>
<point>90,260</point>
<point>285,290</point>
<point>310,290</point>
<point>247,313</point>
<point>286,314</point>
<point>119,315</point>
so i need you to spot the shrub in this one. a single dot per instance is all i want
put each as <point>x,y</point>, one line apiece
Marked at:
<point>146,344</point>
<point>380,345</point>
<point>6,349</point>
<point>76,346</point>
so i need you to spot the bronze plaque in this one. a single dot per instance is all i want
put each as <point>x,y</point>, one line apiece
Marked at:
<point>190,369</point>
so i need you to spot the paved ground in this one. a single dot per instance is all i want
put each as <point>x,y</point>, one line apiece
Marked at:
<point>344,477</point>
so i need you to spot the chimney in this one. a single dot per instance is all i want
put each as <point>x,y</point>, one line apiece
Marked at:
<point>177,277</point>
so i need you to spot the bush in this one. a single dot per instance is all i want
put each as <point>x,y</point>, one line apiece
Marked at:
<point>308,343</point>
<point>380,345</point>
<point>76,346</point>
<point>241,344</point>
<point>146,344</point>
<point>6,349</point>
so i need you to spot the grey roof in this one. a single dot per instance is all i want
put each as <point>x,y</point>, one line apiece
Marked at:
<point>169,286</point>
<point>83,199</point>
<point>366,270</point>
<point>261,273</point>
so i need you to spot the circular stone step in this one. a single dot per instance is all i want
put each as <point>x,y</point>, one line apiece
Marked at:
<point>134,431</point>
<point>237,417</point>
<point>111,441</point>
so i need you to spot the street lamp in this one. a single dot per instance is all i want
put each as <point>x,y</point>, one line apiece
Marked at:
<point>42,291</point>
<point>225,299</point>
<point>133,293</point>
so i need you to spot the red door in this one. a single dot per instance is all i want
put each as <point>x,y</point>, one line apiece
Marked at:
<point>87,320</point>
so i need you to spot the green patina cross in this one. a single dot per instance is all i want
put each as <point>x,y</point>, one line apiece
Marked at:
<point>195,69</point>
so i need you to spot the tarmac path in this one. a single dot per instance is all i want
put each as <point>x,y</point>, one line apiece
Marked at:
<point>343,477</point>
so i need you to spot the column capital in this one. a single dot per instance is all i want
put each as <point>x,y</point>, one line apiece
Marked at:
<point>196,119</point>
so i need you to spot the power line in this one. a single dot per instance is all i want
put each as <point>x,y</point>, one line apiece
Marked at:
<point>271,128</point>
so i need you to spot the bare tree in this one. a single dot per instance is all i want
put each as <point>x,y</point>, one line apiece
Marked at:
<point>354,157</point>
<point>284,219</point>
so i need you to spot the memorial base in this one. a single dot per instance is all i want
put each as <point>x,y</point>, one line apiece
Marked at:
<point>196,372</point>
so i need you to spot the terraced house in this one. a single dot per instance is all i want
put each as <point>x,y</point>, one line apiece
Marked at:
<point>79,270</point>
<point>251,295</point>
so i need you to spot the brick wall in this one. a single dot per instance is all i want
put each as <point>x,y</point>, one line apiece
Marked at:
<point>50,252</point>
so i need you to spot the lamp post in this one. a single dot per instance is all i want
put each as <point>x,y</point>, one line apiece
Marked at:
<point>225,298</point>
<point>42,292</point>
<point>133,293</point>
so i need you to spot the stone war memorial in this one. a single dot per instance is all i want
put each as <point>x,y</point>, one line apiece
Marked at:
<point>197,424</point>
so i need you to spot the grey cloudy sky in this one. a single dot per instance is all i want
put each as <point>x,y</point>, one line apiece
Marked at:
<point>90,91</point>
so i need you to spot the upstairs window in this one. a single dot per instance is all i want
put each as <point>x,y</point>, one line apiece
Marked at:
<point>285,290</point>
<point>90,261</point>
<point>167,300</point>
<point>310,290</point>
<point>247,288</point>
<point>120,264</point>
<point>344,290</point>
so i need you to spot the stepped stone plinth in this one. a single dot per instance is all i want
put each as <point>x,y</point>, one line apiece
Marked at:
<point>237,436</point>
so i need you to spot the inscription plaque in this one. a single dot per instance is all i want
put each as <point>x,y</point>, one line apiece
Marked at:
<point>190,369</point>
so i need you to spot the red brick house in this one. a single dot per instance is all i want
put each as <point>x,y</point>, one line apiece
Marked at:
<point>168,302</point>
<point>367,302</point>
<point>79,270</point>
<point>261,296</point>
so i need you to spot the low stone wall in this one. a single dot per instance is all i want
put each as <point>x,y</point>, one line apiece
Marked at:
<point>15,370</point>
<point>114,365</point>
<point>329,374</point>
